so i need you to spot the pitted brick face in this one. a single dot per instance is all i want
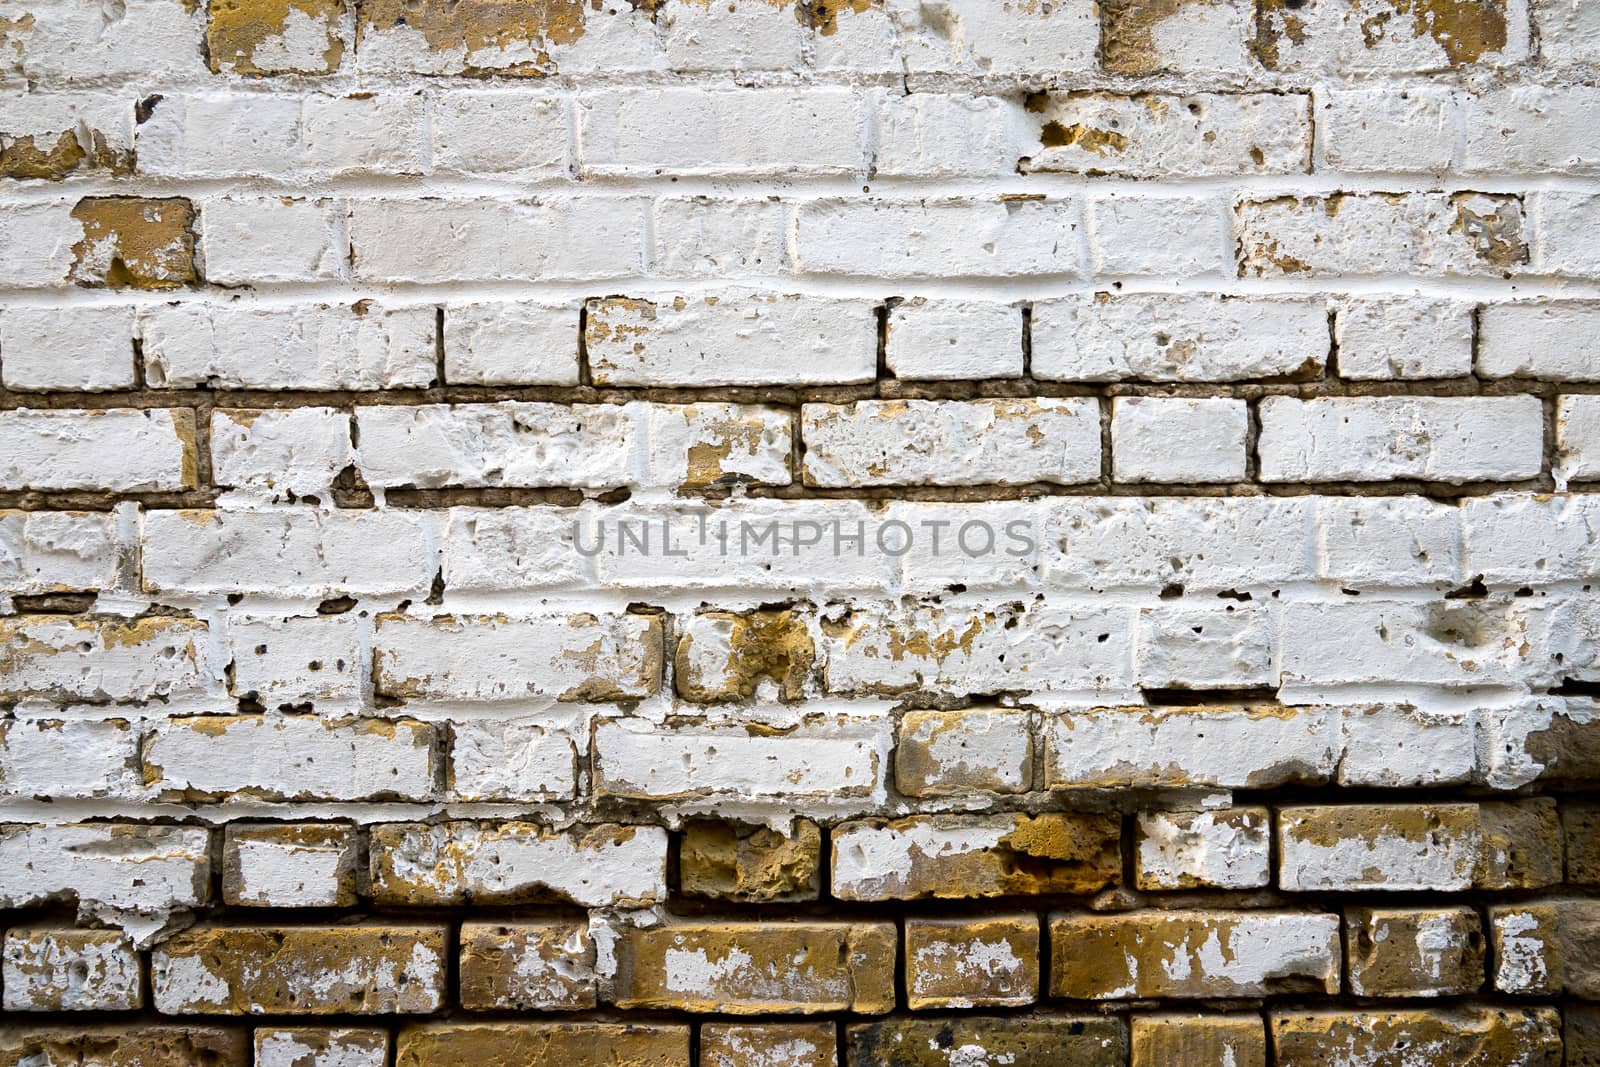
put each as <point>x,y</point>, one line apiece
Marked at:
<point>799,533</point>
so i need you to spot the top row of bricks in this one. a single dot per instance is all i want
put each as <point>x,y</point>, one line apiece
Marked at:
<point>75,42</point>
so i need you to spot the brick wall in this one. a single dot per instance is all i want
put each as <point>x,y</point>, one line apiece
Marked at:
<point>760,534</point>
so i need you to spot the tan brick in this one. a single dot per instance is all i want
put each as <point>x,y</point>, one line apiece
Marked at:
<point>990,962</point>
<point>254,36</point>
<point>1581,830</point>
<point>750,968</point>
<point>1581,1035</point>
<point>54,155</point>
<point>1547,947</point>
<point>66,969</point>
<point>541,1044</point>
<point>123,1045</point>
<point>1193,954</point>
<point>1396,952</point>
<point>305,865</point>
<point>134,243</point>
<point>310,970</point>
<point>1457,1037</point>
<point>725,656</point>
<point>961,856</point>
<point>1199,1040</point>
<point>956,753</point>
<point>304,1046</point>
<point>1521,844</point>
<point>518,966</point>
<point>751,864</point>
<point>768,1044</point>
<point>1016,1041</point>
<point>442,864</point>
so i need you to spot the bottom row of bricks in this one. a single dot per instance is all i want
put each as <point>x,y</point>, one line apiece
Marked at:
<point>1479,1036</point>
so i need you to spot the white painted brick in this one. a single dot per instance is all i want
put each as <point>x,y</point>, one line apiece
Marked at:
<point>562,657</point>
<point>1367,542</point>
<point>67,969</point>
<point>714,237</point>
<point>36,242</point>
<point>282,452</point>
<point>1532,128</point>
<point>130,875</point>
<point>716,445</point>
<point>68,758</point>
<point>1498,530</point>
<point>649,131</point>
<point>516,444</point>
<point>290,1046</point>
<point>218,135</point>
<point>496,760</point>
<point>932,135</point>
<point>1217,644</point>
<point>1195,136</point>
<point>1395,746</point>
<point>88,348</point>
<point>1569,32</point>
<point>736,35</point>
<point>1388,129</point>
<point>297,552</point>
<point>999,648</point>
<point>76,43</point>
<point>1425,234</point>
<point>272,239</point>
<point>288,660</point>
<point>101,126</point>
<point>1364,439</point>
<point>492,549</point>
<point>497,132</point>
<point>76,658</point>
<point>946,338</point>
<point>120,449</point>
<point>511,342</point>
<point>952,442</point>
<point>1199,544</point>
<point>1578,437</point>
<point>824,762</point>
<point>1209,37</point>
<point>1551,339</point>
<point>1224,748</point>
<point>307,346</point>
<point>1227,849</point>
<point>958,753</point>
<point>730,340</point>
<point>760,548</point>
<point>1149,235</point>
<point>510,862</point>
<point>289,757</point>
<point>439,240</point>
<point>1177,337</point>
<point>1563,225</point>
<point>1403,338</point>
<point>1374,850</point>
<point>1524,743</point>
<point>1448,643</point>
<point>1327,37</point>
<point>289,865</point>
<point>49,551</point>
<point>938,237</point>
<point>972,37</point>
<point>1176,439</point>
<point>990,544</point>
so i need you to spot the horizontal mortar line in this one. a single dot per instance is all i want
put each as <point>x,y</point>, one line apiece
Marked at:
<point>1010,289</point>
<point>847,183</point>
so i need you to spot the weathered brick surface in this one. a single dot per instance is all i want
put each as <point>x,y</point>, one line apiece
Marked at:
<point>834,533</point>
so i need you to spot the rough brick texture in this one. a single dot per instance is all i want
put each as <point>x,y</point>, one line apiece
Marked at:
<point>844,533</point>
